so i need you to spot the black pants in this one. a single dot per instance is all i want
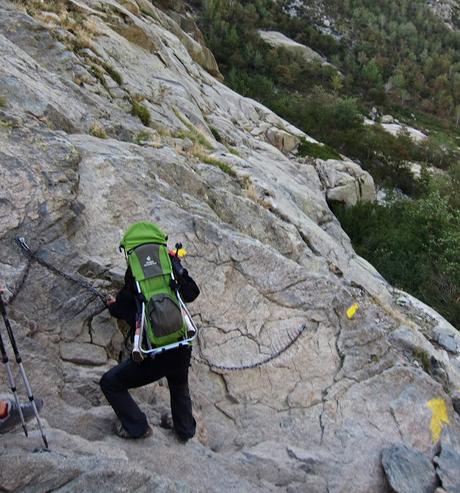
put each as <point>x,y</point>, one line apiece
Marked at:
<point>173,365</point>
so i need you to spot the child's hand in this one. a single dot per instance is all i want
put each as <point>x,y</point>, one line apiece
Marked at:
<point>110,300</point>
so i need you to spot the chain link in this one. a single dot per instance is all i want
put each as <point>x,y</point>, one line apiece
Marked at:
<point>33,256</point>
<point>292,340</point>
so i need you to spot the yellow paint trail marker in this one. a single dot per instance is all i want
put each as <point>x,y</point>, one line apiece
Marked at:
<point>438,417</point>
<point>352,310</point>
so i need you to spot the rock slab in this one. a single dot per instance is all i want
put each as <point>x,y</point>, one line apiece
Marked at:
<point>83,353</point>
<point>448,469</point>
<point>408,470</point>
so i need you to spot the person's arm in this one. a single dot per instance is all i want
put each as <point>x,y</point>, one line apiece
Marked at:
<point>187,287</point>
<point>124,305</point>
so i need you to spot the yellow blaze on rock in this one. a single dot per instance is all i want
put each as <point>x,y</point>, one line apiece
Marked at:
<point>352,310</point>
<point>438,417</point>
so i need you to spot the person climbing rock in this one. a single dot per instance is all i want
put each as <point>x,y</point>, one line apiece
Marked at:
<point>173,364</point>
<point>9,412</point>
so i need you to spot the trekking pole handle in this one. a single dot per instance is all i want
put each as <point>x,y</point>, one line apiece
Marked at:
<point>2,306</point>
<point>2,347</point>
<point>3,351</point>
<point>9,330</point>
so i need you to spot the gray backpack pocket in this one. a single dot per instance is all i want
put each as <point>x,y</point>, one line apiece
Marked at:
<point>165,315</point>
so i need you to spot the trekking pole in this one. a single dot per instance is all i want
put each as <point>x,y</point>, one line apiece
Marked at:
<point>9,374</point>
<point>21,368</point>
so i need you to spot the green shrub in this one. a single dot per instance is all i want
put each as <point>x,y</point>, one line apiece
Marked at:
<point>142,136</point>
<point>98,73</point>
<point>414,244</point>
<point>97,130</point>
<point>216,134</point>
<point>191,132</point>
<point>439,150</point>
<point>141,111</point>
<point>5,123</point>
<point>233,150</point>
<point>35,6</point>
<point>146,12</point>
<point>194,135</point>
<point>225,167</point>
<point>114,74</point>
<point>423,358</point>
<point>307,148</point>
<point>2,101</point>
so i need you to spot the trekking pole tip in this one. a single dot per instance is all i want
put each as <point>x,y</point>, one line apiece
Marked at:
<point>39,450</point>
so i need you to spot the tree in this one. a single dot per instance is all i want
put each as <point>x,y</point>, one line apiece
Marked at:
<point>457,114</point>
<point>336,82</point>
<point>414,244</point>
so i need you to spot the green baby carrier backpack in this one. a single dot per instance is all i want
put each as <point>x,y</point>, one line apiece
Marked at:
<point>162,320</point>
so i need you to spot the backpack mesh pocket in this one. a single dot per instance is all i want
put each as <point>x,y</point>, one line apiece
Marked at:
<point>165,315</point>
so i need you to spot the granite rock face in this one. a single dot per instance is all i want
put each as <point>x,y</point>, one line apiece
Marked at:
<point>448,465</point>
<point>447,11</point>
<point>279,40</point>
<point>79,161</point>
<point>346,182</point>
<point>408,470</point>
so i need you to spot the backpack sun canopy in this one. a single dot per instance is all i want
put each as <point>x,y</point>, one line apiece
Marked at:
<point>140,233</point>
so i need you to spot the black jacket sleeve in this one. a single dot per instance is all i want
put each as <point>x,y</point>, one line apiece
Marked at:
<point>125,303</point>
<point>187,287</point>
<point>125,306</point>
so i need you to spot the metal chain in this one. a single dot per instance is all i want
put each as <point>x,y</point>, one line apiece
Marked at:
<point>292,340</point>
<point>79,281</point>
<point>86,285</point>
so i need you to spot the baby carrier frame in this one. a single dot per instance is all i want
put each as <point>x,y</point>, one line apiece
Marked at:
<point>163,321</point>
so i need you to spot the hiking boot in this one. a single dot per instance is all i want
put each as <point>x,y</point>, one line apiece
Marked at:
<point>166,421</point>
<point>122,433</point>
<point>13,418</point>
<point>181,438</point>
